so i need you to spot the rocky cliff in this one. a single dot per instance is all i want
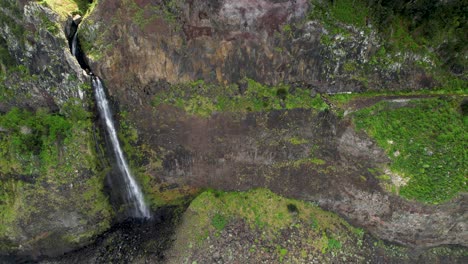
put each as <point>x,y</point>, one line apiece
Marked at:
<point>302,42</point>
<point>230,95</point>
<point>151,52</point>
<point>51,180</point>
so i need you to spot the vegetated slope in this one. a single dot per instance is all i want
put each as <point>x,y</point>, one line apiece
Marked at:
<point>262,227</point>
<point>51,180</point>
<point>426,140</point>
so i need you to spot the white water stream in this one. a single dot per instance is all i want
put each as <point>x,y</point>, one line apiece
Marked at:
<point>74,44</point>
<point>134,194</point>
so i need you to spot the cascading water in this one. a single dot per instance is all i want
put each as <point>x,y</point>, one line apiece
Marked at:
<point>74,44</point>
<point>133,195</point>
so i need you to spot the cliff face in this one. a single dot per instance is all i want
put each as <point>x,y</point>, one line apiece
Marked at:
<point>225,41</point>
<point>229,132</point>
<point>50,177</point>
<point>149,52</point>
<point>46,74</point>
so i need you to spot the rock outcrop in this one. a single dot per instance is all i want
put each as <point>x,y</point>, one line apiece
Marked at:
<point>51,188</point>
<point>225,41</point>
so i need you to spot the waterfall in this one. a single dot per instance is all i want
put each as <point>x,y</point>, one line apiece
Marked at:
<point>134,194</point>
<point>74,44</point>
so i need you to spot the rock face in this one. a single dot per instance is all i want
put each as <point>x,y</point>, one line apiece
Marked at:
<point>300,154</point>
<point>38,43</point>
<point>51,197</point>
<point>224,41</point>
<point>144,47</point>
<point>259,227</point>
<point>141,48</point>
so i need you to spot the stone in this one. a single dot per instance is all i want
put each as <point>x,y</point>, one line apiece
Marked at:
<point>77,19</point>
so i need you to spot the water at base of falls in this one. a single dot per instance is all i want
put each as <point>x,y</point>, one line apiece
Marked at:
<point>133,192</point>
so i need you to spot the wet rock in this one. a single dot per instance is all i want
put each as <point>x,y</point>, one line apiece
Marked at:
<point>77,19</point>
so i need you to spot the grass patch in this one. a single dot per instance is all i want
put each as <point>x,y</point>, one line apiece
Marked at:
<point>219,222</point>
<point>280,226</point>
<point>431,138</point>
<point>263,210</point>
<point>352,12</point>
<point>68,7</point>
<point>41,155</point>
<point>203,99</point>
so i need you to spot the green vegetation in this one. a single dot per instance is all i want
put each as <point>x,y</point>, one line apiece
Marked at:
<point>219,222</point>
<point>11,19</point>
<point>298,141</point>
<point>144,15</point>
<point>290,230</point>
<point>422,34</point>
<point>203,99</point>
<point>42,153</point>
<point>267,212</point>
<point>6,60</point>
<point>49,25</point>
<point>427,142</point>
<point>31,137</point>
<point>69,7</point>
<point>354,12</point>
<point>441,26</point>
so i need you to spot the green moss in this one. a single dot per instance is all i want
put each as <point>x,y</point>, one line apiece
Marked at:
<point>430,136</point>
<point>268,215</point>
<point>352,12</point>
<point>6,60</point>
<point>298,141</point>
<point>142,16</point>
<point>282,253</point>
<point>203,99</point>
<point>10,19</point>
<point>400,38</point>
<point>9,190</point>
<point>69,7</point>
<point>218,221</point>
<point>42,153</point>
<point>261,209</point>
<point>51,26</point>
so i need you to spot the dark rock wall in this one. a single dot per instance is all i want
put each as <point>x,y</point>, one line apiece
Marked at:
<point>49,74</point>
<point>330,166</point>
<point>224,41</point>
